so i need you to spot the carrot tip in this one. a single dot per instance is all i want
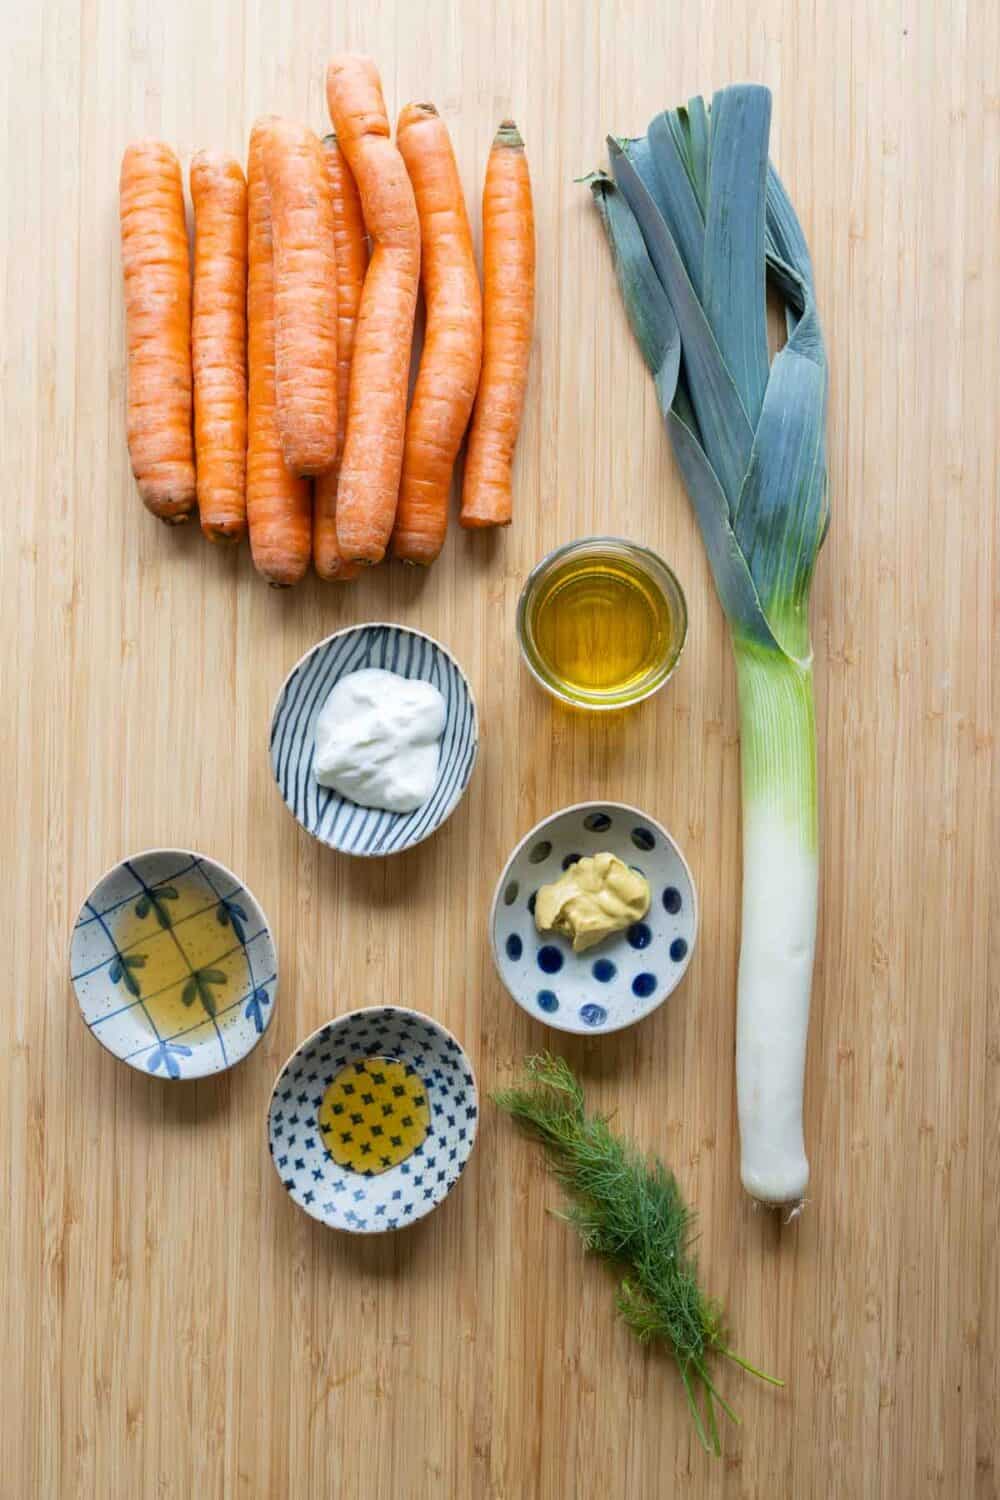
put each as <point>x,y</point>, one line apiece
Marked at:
<point>482,523</point>
<point>509,135</point>
<point>224,534</point>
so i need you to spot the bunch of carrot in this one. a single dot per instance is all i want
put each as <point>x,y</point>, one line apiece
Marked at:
<point>274,394</point>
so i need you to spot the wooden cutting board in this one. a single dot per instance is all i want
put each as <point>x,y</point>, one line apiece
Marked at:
<point>171,1326</point>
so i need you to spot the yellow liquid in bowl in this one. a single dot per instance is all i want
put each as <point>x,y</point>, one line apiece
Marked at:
<point>602,626</point>
<point>190,972</point>
<point>374,1115</point>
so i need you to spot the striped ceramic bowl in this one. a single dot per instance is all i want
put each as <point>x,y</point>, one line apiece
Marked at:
<point>332,819</point>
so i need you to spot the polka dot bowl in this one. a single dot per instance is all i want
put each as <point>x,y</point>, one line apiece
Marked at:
<point>373,1119</point>
<point>623,979</point>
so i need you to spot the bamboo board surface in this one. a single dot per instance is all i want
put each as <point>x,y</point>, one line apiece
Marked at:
<point>171,1326</point>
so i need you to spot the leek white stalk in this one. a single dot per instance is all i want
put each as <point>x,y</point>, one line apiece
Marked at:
<point>698,223</point>
<point>780,898</point>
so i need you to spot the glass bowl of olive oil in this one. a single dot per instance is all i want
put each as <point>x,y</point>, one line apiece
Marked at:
<point>602,623</point>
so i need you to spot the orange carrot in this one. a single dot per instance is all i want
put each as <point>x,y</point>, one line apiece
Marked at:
<point>219,342</point>
<point>305,297</point>
<point>351,255</point>
<point>279,505</point>
<point>380,369</point>
<point>157,269</point>
<point>508,312</point>
<point>453,340</point>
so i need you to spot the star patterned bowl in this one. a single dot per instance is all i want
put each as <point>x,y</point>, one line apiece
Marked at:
<point>173,965</point>
<point>372,1120</point>
<point>624,978</point>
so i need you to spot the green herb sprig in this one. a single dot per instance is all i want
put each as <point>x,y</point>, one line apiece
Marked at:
<point>629,1210</point>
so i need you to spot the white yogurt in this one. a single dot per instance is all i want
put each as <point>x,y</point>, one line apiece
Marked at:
<point>378,739</point>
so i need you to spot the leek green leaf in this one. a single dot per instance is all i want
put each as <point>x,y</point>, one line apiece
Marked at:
<point>697,218</point>
<point>676,198</point>
<point>733,282</point>
<point>725,427</point>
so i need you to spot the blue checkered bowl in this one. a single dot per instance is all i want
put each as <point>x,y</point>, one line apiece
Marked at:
<point>623,979</point>
<point>334,820</point>
<point>173,965</point>
<point>368,1202</point>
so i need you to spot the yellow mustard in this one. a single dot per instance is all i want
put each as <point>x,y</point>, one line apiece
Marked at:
<point>597,896</point>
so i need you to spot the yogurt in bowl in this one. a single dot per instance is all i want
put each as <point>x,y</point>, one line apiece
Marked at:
<point>378,739</point>
<point>342,821</point>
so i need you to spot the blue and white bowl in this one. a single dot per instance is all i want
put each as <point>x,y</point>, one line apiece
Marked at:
<point>173,965</point>
<point>333,819</point>
<point>363,1202</point>
<point>616,982</point>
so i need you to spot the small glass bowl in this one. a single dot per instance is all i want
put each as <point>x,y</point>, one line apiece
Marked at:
<point>654,572</point>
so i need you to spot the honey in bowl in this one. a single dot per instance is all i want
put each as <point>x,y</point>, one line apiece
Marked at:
<point>374,1115</point>
<point>182,958</point>
<point>602,623</point>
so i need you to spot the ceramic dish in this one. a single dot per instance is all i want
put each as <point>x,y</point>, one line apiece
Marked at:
<point>619,981</point>
<point>373,1119</point>
<point>323,812</point>
<point>174,965</point>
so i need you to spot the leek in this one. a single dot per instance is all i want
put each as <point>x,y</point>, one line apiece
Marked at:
<point>699,225</point>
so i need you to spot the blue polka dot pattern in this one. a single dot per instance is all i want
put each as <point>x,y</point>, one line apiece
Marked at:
<point>639,935</point>
<point>547,1000</point>
<point>514,947</point>
<point>510,893</point>
<point>643,985</point>
<point>672,900</point>
<point>550,959</point>
<point>597,822</point>
<point>593,1015</point>
<point>604,970</point>
<point>643,839</point>
<point>531,902</point>
<point>678,949</point>
<point>540,852</point>
<point>569,860</point>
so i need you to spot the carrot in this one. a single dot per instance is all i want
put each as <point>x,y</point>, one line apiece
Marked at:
<point>453,340</point>
<point>157,269</point>
<point>305,297</point>
<point>279,504</point>
<point>351,255</point>
<point>508,312</point>
<point>380,369</point>
<point>219,342</point>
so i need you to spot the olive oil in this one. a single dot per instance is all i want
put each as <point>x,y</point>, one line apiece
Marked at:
<point>602,625</point>
<point>185,966</point>
<point>374,1115</point>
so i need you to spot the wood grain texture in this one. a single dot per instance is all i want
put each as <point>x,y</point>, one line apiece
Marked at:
<point>170,1325</point>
